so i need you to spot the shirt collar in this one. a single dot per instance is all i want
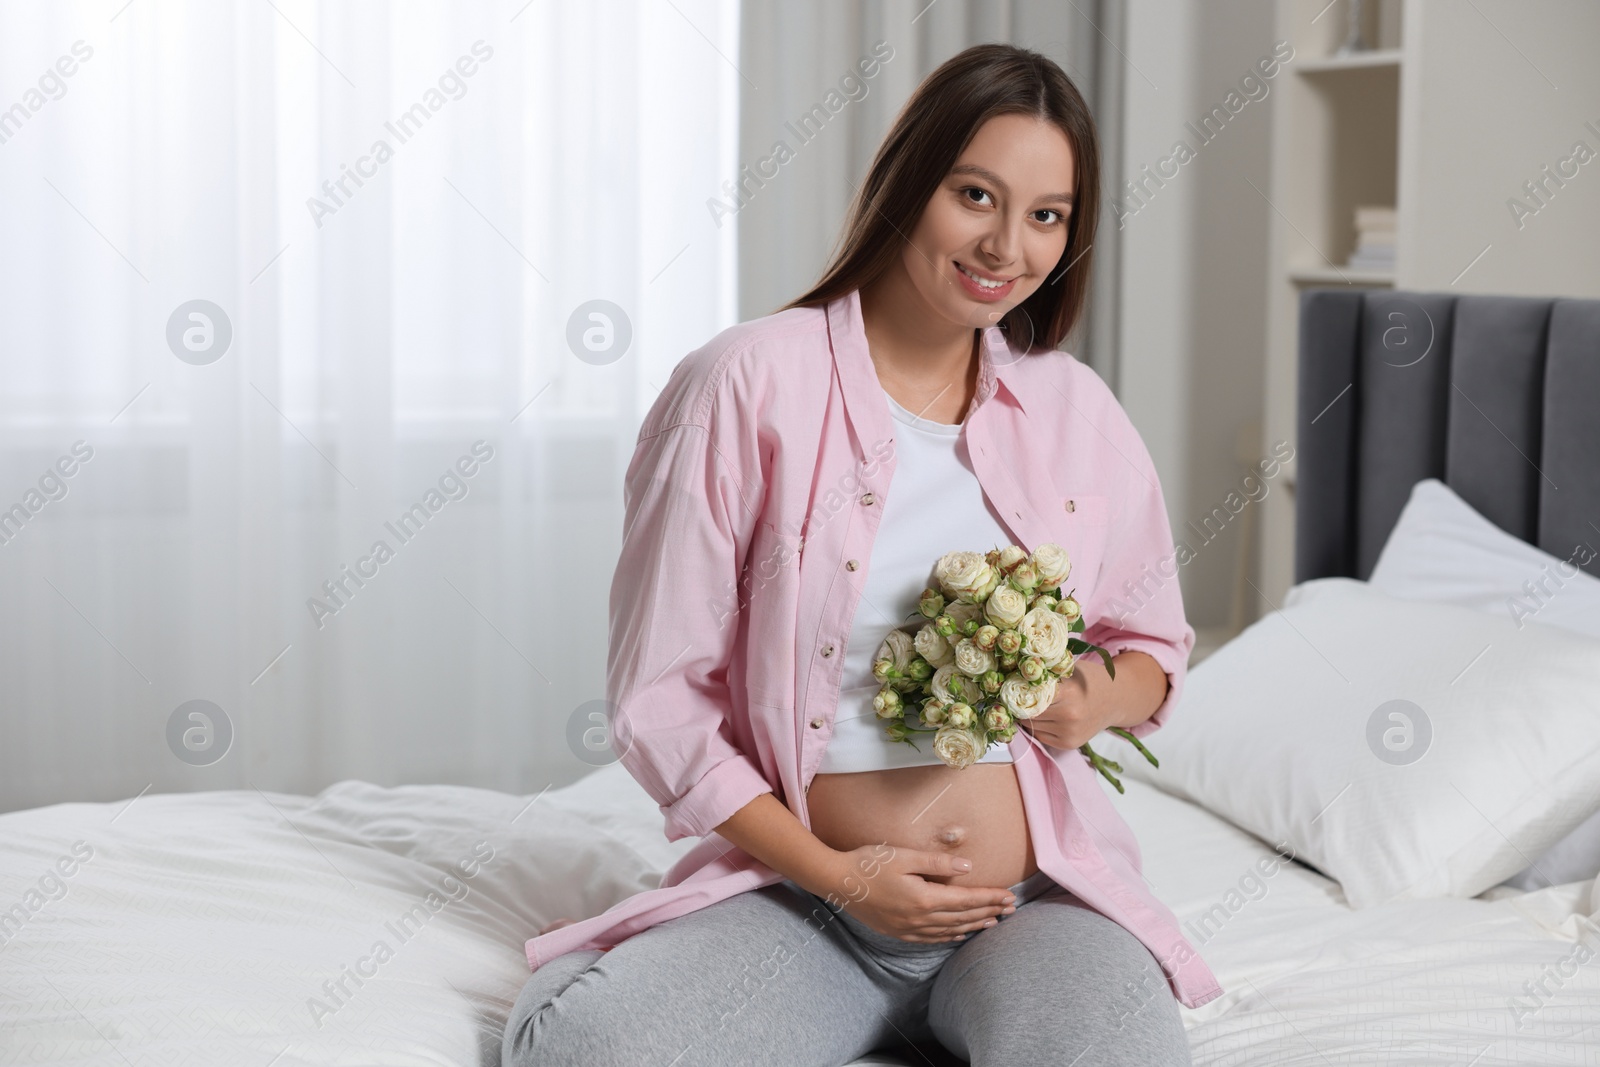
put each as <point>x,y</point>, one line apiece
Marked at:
<point>1002,467</point>
<point>996,360</point>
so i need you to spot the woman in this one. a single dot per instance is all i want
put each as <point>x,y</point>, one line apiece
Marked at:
<point>791,489</point>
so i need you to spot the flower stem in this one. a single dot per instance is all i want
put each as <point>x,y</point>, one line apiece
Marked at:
<point>1134,741</point>
<point>1103,765</point>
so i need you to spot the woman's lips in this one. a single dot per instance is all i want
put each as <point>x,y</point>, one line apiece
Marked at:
<point>988,294</point>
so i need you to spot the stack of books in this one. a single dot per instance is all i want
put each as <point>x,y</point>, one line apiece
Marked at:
<point>1374,239</point>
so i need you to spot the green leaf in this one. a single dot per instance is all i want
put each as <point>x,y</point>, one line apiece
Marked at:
<point>1107,657</point>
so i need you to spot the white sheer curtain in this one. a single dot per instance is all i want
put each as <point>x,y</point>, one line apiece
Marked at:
<point>388,308</point>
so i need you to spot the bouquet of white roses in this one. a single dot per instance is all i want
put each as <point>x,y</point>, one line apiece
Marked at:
<point>1000,636</point>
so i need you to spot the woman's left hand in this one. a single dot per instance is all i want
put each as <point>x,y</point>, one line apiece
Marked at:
<point>1090,700</point>
<point>1075,716</point>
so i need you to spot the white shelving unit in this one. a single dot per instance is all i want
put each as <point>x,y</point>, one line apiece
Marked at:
<point>1375,57</point>
<point>1454,109</point>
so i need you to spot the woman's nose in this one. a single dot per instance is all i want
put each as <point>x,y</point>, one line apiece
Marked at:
<point>1000,246</point>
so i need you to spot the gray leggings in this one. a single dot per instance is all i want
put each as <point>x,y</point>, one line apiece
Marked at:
<point>780,976</point>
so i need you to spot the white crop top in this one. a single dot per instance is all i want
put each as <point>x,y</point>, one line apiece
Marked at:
<point>936,506</point>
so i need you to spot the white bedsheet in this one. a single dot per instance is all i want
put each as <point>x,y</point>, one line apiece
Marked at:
<point>213,928</point>
<point>1308,980</point>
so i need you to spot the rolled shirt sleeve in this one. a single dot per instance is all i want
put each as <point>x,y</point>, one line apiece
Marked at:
<point>1142,606</point>
<point>688,521</point>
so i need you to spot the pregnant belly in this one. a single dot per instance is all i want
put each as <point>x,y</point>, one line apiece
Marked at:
<point>974,813</point>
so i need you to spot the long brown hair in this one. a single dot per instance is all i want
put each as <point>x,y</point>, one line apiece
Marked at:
<point>928,136</point>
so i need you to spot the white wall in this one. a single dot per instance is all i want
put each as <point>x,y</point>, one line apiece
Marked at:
<point>1193,272</point>
<point>1498,101</point>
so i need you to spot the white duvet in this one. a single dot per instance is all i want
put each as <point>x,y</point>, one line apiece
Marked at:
<point>386,926</point>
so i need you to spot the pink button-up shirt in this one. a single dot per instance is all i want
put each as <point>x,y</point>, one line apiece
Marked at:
<point>752,501</point>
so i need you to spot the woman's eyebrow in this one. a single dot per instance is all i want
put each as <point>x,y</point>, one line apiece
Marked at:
<point>995,179</point>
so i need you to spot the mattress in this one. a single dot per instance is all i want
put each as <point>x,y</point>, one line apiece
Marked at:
<point>385,926</point>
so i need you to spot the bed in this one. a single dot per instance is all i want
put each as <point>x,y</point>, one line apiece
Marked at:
<point>207,927</point>
<point>385,926</point>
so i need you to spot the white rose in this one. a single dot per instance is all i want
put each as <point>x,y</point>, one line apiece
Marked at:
<point>958,747</point>
<point>1025,700</point>
<point>1045,634</point>
<point>931,646</point>
<point>1012,555</point>
<point>898,648</point>
<point>886,703</point>
<point>972,660</point>
<point>965,576</point>
<point>960,613</point>
<point>1050,560</point>
<point>1006,606</point>
<point>952,687</point>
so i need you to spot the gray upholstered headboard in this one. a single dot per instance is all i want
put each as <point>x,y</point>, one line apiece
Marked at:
<point>1497,396</point>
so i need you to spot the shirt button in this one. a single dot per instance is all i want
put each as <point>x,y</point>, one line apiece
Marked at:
<point>851,565</point>
<point>816,724</point>
<point>1071,506</point>
<point>867,498</point>
<point>827,650</point>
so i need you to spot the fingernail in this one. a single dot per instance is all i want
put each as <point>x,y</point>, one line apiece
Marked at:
<point>963,865</point>
<point>1008,910</point>
<point>1009,899</point>
<point>989,922</point>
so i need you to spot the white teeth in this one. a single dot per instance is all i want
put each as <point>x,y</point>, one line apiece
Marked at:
<point>986,283</point>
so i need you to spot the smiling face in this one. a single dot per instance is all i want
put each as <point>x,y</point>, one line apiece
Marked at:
<point>996,227</point>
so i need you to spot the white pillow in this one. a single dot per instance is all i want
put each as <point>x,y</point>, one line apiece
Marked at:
<point>1293,732</point>
<point>1443,550</point>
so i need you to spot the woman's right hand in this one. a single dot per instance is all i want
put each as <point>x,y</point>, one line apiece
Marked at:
<point>884,887</point>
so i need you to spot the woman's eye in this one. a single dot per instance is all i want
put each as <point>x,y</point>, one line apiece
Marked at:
<point>1049,211</point>
<point>974,189</point>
